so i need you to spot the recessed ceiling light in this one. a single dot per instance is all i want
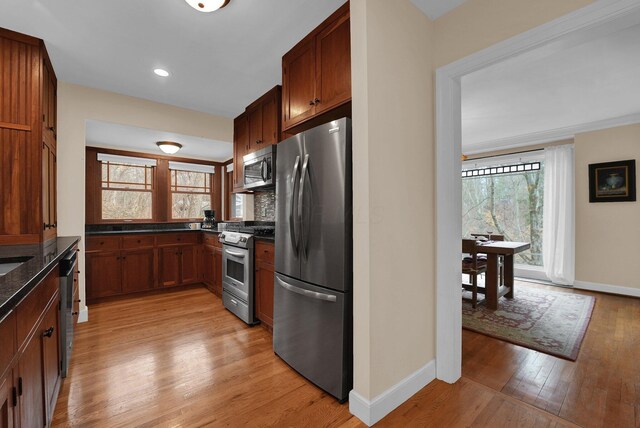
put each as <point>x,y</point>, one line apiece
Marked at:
<point>169,147</point>
<point>207,5</point>
<point>161,72</point>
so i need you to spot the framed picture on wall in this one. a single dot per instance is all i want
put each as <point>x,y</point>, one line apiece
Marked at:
<point>612,181</point>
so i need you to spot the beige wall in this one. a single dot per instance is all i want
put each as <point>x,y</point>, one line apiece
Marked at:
<point>607,234</point>
<point>76,104</point>
<point>478,24</point>
<point>392,117</point>
<point>395,52</point>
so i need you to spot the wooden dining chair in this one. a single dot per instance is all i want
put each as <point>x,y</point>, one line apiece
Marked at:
<point>494,237</point>
<point>473,266</point>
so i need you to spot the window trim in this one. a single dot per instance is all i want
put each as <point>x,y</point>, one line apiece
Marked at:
<point>152,191</point>
<point>170,193</point>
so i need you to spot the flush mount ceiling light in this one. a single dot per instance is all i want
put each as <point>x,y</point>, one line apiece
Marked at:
<point>169,147</point>
<point>161,72</point>
<point>207,5</point>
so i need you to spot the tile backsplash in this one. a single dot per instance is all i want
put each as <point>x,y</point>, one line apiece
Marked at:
<point>264,206</point>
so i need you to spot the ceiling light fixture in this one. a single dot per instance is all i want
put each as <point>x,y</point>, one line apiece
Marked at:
<point>169,147</point>
<point>161,72</point>
<point>207,5</point>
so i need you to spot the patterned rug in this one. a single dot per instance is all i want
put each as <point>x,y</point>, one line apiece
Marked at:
<point>553,322</point>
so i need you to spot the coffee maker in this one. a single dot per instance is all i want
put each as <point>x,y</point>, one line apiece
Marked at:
<point>209,220</point>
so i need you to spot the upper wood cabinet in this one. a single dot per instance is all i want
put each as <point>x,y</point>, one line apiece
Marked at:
<point>255,129</point>
<point>240,148</point>
<point>27,123</point>
<point>316,73</point>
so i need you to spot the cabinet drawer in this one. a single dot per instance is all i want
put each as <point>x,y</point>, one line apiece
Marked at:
<point>177,238</point>
<point>212,239</point>
<point>265,251</point>
<point>137,241</point>
<point>103,243</point>
<point>30,309</point>
<point>8,335</point>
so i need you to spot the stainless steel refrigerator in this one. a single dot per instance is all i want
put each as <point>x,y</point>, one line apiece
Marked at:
<point>313,312</point>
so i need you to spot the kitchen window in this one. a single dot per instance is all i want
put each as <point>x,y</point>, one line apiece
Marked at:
<point>127,186</point>
<point>190,190</point>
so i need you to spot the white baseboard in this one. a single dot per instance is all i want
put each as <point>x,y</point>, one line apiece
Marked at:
<point>372,411</point>
<point>83,316</point>
<point>606,288</point>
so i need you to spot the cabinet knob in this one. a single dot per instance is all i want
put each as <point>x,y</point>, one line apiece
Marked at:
<point>311,103</point>
<point>317,101</point>
<point>74,313</point>
<point>48,332</point>
<point>77,301</point>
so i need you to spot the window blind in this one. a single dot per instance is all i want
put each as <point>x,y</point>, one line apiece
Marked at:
<point>126,160</point>
<point>192,167</point>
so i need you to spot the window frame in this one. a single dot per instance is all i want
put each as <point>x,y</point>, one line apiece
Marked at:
<point>170,193</point>
<point>152,191</point>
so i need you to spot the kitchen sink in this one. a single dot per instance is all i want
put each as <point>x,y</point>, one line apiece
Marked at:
<point>7,264</point>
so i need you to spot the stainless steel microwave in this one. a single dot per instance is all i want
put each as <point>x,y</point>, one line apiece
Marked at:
<point>259,169</point>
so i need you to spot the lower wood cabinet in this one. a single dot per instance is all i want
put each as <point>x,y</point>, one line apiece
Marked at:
<point>264,277</point>
<point>212,268</point>
<point>29,386</point>
<point>137,270</point>
<point>104,273</point>
<point>178,265</point>
<point>7,401</point>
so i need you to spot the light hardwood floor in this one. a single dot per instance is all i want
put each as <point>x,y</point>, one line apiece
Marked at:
<point>180,359</point>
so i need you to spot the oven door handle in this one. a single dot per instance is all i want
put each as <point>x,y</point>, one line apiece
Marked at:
<point>307,293</point>
<point>235,254</point>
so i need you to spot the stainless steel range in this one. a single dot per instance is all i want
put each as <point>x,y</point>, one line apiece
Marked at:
<point>237,275</point>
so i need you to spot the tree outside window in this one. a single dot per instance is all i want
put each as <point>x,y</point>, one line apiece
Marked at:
<point>190,194</point>
<point>509,205</point>
<point>127,192</point>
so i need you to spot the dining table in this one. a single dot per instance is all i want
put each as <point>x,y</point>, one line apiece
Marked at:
<point>494,249</point>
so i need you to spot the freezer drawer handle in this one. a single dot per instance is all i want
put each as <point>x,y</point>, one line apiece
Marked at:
<point>308,293</point>
<point>235,254</point>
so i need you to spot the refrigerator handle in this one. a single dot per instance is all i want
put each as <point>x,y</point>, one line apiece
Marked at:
<point>308,293</point>
<point>303,177</point>
<point>292,225</point>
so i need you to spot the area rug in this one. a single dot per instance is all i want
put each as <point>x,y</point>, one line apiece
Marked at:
<point>553,322</point>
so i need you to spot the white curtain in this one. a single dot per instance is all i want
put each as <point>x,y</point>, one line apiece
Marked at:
<point>558,235</point>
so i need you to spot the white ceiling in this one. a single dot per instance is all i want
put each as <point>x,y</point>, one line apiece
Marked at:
<point>219,62</point>
<point>434,9</point>
<point>553,92</point>
<point>114,136</point>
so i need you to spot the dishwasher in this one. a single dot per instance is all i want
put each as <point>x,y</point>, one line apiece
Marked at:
<point>68,266</point>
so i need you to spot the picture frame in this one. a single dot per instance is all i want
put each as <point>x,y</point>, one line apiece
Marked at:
<point>612,181</point>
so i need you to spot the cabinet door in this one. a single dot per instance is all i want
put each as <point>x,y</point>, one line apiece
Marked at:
<point>298,84</point>
<point>51,356</point>
<point>30,384</point>
<point>169,266</point>
<point>104,274</point>
<point>189,265</point>
<point>7,405</point>
<point>270,119</point>
<point>333,65</point>
<point>49,176</point>
<point>217,286</point>
<point>264,293</point>
<point>240,148</point>
<point>208,266</point>
<point>49,102</point>
<point>255,128</point>
<point>137,270</point>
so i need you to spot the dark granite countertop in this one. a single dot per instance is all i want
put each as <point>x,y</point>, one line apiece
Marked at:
<point>134,232</point>
<point>16,284</point>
